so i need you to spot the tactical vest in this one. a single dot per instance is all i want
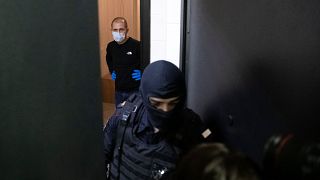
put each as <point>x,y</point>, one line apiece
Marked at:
<point>133,159</point>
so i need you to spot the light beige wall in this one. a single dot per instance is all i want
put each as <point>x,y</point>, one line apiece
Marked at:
<point>108,10</point>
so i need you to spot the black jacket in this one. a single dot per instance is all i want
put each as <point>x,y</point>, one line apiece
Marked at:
<point>123,59</point>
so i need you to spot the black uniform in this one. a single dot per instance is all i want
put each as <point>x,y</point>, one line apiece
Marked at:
<point>123,59</point>
<point>132,147</point>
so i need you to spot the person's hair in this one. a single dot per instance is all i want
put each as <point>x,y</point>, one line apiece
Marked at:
<point>120,20</point>
<point>233,166</point>
<point>214,161</point>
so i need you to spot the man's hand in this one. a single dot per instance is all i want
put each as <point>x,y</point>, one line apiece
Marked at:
<point>136,75</point>
<point>113,75</point>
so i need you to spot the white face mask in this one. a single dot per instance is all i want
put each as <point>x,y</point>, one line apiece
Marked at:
<point>118,37</point>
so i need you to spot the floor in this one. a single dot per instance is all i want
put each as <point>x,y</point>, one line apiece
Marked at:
<point>108,109</point>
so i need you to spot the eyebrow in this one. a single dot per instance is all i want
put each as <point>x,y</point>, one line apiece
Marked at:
<point>178,99</point>
<point>156,100</point>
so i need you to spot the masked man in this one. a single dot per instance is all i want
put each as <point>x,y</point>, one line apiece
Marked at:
<point>147,135</point>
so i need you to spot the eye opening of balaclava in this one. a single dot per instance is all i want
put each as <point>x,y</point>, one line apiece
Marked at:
<point>162,79</point>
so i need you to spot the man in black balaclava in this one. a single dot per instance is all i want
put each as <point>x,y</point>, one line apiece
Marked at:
<point>150,131</point>
<point>163,92</point>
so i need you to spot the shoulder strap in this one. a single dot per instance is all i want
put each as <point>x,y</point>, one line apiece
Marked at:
<point>129,112</point>
<point>131,106</point>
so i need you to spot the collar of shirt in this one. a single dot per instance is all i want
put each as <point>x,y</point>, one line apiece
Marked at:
<point>145,131</point>
<point>144,125</point>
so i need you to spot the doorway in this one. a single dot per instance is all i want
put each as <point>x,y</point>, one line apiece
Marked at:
<point>108,10</point>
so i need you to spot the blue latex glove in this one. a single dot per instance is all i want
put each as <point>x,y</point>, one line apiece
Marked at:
<point>113,75</point>
<point>136,75</point>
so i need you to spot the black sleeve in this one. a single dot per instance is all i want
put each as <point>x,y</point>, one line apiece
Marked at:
<point>109,58</point>
<point>139,57</point>
<point>192,130</point>
<point>196,126</point>
<point>110,136</point>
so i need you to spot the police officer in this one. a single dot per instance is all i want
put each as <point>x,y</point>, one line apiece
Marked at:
<point>152,129</point>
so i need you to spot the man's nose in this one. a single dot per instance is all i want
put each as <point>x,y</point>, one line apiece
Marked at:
<point>165,107</point>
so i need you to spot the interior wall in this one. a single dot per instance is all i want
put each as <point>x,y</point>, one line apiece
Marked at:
<point>108,10</point>
<point>165,28</point>
<point>254,69</point>
<point>50,101</point>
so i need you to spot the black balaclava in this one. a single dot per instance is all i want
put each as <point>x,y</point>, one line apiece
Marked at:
<point>162,79</point>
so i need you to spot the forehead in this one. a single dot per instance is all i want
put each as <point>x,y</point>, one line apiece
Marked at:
<point>155,99</point>
<point>117,25</point>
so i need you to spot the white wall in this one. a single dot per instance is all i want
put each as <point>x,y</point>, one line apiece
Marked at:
<point>165,30</point>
